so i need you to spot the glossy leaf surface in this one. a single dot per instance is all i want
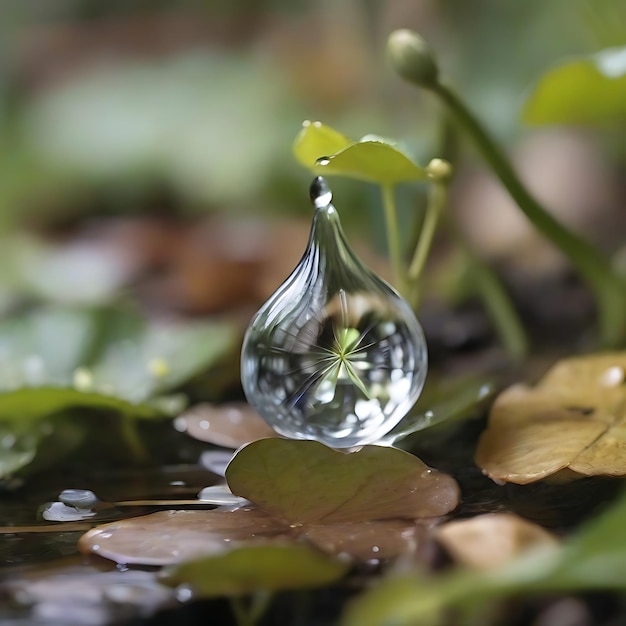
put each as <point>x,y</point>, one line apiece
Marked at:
<point>585,91</point>
<point>370,159</point>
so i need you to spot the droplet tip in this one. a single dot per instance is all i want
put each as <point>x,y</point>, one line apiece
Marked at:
<point>320,192</point>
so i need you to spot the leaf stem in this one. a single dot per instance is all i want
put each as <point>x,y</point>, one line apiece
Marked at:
<point>497,302</point>
<point>130,436</point>
<point>393,237</point>
<point>609,289</point>
<point>437,197</point>
<point>248,611</point>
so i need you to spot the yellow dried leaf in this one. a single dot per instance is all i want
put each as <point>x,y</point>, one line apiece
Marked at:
<point>574,418</point>
<point>490,540</point>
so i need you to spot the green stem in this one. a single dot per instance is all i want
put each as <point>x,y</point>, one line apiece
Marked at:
<point>498,304</point>
<point>436,202</point>
<point>393,238</point>
<point>130,436</point>
<point>609,289</point>
<point>240,611</point>
<point>249,612</point>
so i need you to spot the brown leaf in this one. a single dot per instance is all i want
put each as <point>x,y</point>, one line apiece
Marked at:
<point>228,425</point>
<point>363,504</point>
<point>170,537</point>
<point>490,540</point>
<point>574,418</point>
<point>307,482</point>
<point>375,539</point>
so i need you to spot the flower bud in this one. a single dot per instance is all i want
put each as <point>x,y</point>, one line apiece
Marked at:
<point>413,58</point>
<point>439,169</point>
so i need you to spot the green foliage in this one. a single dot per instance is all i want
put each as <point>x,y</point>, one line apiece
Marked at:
<point>324,150</point>
<point>55,361</point>
<point>608,288</point>
<point>443,404</point>
<point>371,159</point>
<point>185,121</point>
<point>253,568</point>
<point>593,559</point>
<point>588,91</point>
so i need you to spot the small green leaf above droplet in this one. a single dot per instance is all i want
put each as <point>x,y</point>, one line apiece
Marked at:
<point>589,91</point>
<point>374,162</point>
<point>316,140</point>
<point>371,159</point>
<point>252,568</point>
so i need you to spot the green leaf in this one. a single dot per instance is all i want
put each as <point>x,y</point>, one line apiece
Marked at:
<point>374,162</point>
<point>445,402</point>
<point>307,482</point>
<point>115,356</point>
<point>253,568</point>
<point>317,140</point>
<point>33,404</point>
<point>593,559</point>
<point>589,91</point>
<point>56,360</point>
<point>371,159</point>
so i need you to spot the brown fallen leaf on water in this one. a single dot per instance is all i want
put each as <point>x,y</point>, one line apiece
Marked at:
<point>488,541</point>
<point>229,425</point>
<point>375,503</point>
<point>574,418</point>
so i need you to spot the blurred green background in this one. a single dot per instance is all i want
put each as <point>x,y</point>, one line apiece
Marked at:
<point>118,111</point>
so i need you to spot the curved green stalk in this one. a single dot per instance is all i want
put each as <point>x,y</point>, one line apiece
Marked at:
<point>248,611</point>
<point>497,302</point>
<point>609,289</point>
<point>436,201</point>
<point>130,436</point>
<point>393,238</point>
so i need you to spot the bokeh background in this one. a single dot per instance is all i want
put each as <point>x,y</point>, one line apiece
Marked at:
<point>146,145</point>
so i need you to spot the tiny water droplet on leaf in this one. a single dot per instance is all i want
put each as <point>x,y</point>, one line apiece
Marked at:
<point>335,355</point>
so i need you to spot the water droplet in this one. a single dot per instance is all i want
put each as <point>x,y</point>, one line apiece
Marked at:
<point>322,161</point>
<point>59,512</point>
<point>612,377</point>
<point>335,355</point>
<point>220,495</point>
<point>79,498</point>
<point>184,593</point>
<point>158,367</point>
<point>83,379</point>
<point>180,424</point>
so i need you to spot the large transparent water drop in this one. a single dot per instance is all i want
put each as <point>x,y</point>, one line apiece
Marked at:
<point>335,354</point>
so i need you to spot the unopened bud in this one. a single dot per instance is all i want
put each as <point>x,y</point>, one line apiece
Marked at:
<point>413,58</point>
<point>439,169</point>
